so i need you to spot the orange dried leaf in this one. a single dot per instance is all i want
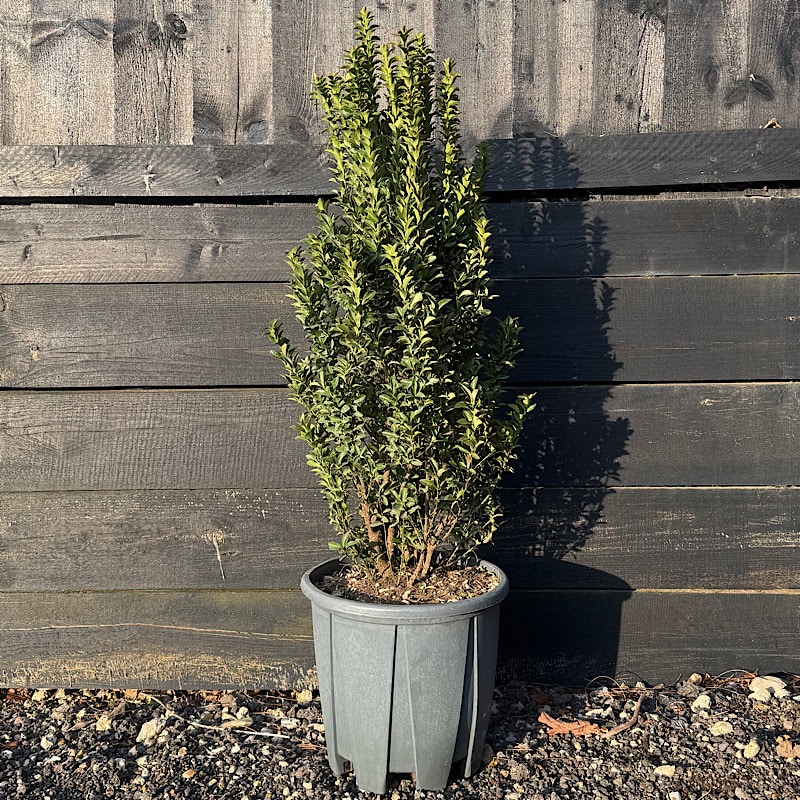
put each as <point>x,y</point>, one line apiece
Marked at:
<point>577,728</point>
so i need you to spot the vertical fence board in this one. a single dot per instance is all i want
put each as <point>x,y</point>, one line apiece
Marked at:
<point>72,73</point>
<point>254,111</point>
<point>629,79</point>
<point>419,16</point>
<point>478,37</point>
<point>774,54</point>
<point>15,18</point>
<point>153,71</point>
<point>706,85</point>
<point>306,40</point>
<point>216,78</point>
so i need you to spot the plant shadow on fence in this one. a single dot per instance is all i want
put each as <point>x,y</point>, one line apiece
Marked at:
<point>562,622</point>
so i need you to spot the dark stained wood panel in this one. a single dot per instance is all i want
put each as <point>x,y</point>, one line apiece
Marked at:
<point>255,62</point>
<point>159,639</point>
<point>233,539</point>
<point>574,637</point>
<point>574,331</point>
<point>637,435</point>
<point>298,168</point>
<point>41,243</point>
<point>57,336</point>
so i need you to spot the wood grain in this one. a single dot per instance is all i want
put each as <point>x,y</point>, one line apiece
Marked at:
<point>72,73</point>
<point>15,42</point>
<point>478,38</point>
<point>707,66</point>
<point>553,67</point>
<point>254,52</point>
<point>632,435</point>
<point>233,539</point>
<point>307,39</point>
<point>153,44</point>
<point>256,639</point>
<point>629,77</point>
<point>519,165</point>
<point>216,71</point>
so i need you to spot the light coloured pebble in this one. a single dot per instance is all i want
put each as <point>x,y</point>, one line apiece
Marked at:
<point>751,749</point>
<point>39,695</point>
<point>151,729</point>
<point>702,703</point>
<point>674,796</point>
<point>47,741</point>
<point>695,677</point>
<point>782,694</point>
<point>290,722</point>
<point>721,728</point>
<point>664,771</point>
<point>762,695</point>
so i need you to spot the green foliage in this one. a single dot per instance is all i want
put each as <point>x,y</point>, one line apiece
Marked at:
<point>400,386</point>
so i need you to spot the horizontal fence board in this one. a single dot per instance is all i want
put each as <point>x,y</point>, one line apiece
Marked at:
<point>720,328</point>
<point>640,435</point>
<point>573,637</point>
<point>262,639</point>
<point>550,539</point>
<point>255,639</point>
<point>56,336</point>
<point>42,243</point>
<point>531,164</point>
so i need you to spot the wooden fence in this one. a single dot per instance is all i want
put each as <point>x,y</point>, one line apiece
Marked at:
<point>156,512</point>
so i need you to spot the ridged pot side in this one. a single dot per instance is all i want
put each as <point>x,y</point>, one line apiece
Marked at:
<point>405,688</point>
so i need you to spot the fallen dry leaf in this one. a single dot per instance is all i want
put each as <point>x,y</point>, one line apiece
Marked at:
<point>577,728</point>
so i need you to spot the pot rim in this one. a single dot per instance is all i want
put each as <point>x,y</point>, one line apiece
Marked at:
<point>393,614</point>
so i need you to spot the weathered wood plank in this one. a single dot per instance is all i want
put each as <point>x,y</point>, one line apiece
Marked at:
<point>650,538</point>
<point>72,73</point>
<point>255,639</point>
<point>774,36</point>
<point>478,37</point>
<point>662,435</point>
<point>637,435</point>
<point>707,66</point>
<point>718,328</point>
<point>307,39</point>
<point>581,538</point>
<point>110,335</point>
<point>418,15</point>
<point>297,168</point>
<point>714,328</point>
<point>216,71</point>
<point>15,45</point>
<point>629,77</point>
<point>43,243</point>
<point>553,67</point>
<point>262,639</point>
<point>573,637</point>
<point>153,72</point>
<point>254,113</point>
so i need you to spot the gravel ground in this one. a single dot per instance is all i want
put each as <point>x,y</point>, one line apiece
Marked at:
<point>721,737</point>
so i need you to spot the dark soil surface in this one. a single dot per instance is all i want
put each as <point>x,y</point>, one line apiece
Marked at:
<point>704,738</point>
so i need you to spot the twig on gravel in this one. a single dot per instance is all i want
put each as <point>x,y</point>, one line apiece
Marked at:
<point>247,731</point>
<point>628,723</point>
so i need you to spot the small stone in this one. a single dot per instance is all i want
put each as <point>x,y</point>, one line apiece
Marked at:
<point>761,695</point>
<point>47,741</point>
<point>290,722</point>
<point>702,703</point>
<point>695,677</point>
<point>103,723</point>
<point>319,727</point>
<point>151,729</point>
<point>189,773</point>
<point>664,771</point>
<point>782,694</point>
<point>39,695</point>
<point>721,728</point>
<point>674,796</point>
<point>751,749</point>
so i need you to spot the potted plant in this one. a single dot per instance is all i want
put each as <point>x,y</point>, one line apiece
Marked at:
<point>403,411</point>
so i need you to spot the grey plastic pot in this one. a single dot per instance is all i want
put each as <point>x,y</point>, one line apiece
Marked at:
<point>405,688</point>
